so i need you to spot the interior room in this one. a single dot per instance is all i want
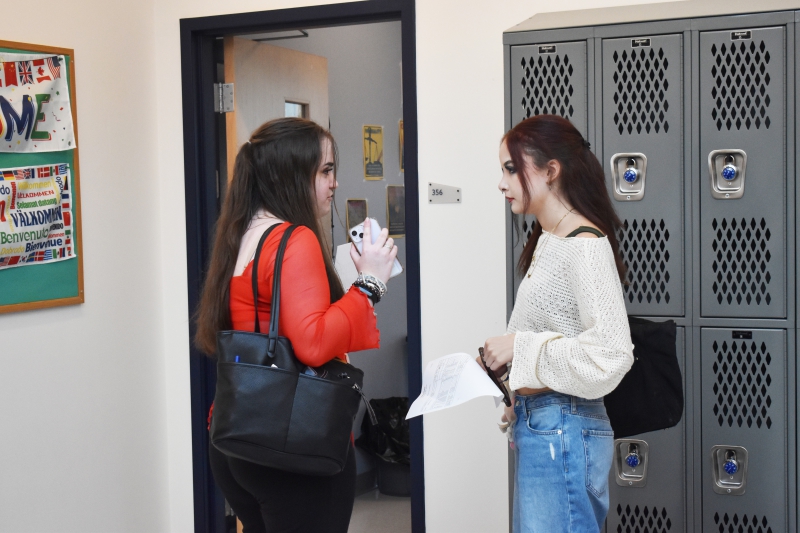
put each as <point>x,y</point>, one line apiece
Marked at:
<point>104,419</point>
<point>348,78</point>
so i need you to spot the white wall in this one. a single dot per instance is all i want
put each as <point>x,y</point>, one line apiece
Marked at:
<point>95,419</point>
<point>83,418</point>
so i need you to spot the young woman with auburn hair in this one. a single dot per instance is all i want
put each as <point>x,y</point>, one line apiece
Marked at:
<point>568,342</point>
<point>285,174</point>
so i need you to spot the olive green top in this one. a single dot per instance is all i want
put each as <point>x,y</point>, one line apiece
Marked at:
<point>586,229</point>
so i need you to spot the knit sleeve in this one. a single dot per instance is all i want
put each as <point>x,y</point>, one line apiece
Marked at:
<point>319,330</point>
<point>591,364</point>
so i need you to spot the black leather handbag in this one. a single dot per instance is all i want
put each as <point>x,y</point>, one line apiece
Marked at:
<point>271,409</point>
<point>650,396</point>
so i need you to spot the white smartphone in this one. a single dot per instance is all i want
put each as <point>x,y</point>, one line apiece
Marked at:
<point>357,235</point>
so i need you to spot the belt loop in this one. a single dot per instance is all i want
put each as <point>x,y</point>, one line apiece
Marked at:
<point>574,404</point>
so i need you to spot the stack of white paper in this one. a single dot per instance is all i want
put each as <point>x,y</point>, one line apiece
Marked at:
<point>452,380</point>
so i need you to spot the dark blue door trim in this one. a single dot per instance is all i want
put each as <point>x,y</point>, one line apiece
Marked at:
<point>200,163</point>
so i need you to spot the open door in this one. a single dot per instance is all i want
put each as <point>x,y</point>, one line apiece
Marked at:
<point>272,82</point>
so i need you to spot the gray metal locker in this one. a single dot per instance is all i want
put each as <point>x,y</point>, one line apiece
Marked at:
<point>699,112</point>
<point>643,129</point>
<point>744,411</point>
<point>743,129</point>
<point>551,79</point>
<point>657,502</point>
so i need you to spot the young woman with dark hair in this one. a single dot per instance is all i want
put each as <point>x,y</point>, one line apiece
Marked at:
<point>286,174</point>
<point>568,342</point>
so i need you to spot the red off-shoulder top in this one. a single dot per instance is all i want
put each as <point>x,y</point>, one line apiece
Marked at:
<point>317,329</point>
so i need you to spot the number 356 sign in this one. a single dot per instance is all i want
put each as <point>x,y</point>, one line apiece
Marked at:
<point>443,194</point>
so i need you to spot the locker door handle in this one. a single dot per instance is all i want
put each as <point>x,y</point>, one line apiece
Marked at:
<point>628,173</point>
<point>726,168</point>
<point>729,469</point>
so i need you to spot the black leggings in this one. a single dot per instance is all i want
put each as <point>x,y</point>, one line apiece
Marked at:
<point>267,500</point>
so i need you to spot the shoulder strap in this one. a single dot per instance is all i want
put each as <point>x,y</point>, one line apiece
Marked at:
<point>255,273</point>
<point>276,289</point>
<point>586,229</point>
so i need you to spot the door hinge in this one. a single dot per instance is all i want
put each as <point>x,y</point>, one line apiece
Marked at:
<point>223,97</point>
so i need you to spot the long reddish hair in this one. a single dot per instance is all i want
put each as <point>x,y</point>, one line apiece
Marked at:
<point>544,138</point>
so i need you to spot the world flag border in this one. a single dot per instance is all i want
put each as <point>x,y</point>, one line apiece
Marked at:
<point>57,244</point>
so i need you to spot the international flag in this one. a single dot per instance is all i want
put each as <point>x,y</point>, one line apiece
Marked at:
<point>54,65</point>
<point>23,173</point>
<point>39,255</point>
<point>30,259</point>
<point>41,71</point>
<point>7,175</point>
<point>43,172</point>
<point>4,261</point>
<point>48,255</point>
<point>62,168</point>
<point>65,195</point>
<point>25,72</point>
<point>67,218</point>
<point>10,73</point>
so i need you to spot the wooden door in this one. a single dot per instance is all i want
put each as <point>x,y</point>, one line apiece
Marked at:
<point>266,78</point>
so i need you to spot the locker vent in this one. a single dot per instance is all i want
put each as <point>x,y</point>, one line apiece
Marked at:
<point>527,229</point>
<point>643,245</point>
<point>742,377</point>
<point>645,520</point>
<point>639,95</point>
<point>741,261</point>
<point>740,85</point>
<point>745,524</point>
<point>547,82</point>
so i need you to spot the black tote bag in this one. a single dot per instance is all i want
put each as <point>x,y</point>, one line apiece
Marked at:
<point>650,396</point>
<point>271,409</point>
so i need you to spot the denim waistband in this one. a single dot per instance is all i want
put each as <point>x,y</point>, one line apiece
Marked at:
<point>552,397</point>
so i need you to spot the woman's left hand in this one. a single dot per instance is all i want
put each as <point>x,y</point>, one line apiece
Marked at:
<point>499,351</point>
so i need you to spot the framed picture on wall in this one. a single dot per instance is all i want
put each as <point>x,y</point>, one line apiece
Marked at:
<point>373,152</point>
<point>356,213</point>
<point>396,210</point>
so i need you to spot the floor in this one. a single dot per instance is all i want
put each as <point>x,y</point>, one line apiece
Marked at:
<point>374,512</point>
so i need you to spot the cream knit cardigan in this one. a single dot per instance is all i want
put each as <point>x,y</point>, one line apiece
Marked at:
<point>572,332</point>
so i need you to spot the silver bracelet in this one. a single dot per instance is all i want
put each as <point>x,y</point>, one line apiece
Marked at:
<point>372,280</point>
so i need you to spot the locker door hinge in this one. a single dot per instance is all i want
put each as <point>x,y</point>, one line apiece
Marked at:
<point>223,97</point>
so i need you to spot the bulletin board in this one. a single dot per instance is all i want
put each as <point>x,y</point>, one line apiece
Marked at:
<point>52,282</point>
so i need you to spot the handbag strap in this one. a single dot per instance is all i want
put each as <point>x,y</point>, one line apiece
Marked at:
<point>261,242</point>
<point>276,290</point>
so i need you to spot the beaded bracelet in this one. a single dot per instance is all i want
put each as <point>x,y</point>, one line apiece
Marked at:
<point>379,285</point>
<point>372,295</point>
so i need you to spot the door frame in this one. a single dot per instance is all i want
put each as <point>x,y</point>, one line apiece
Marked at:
<point>200,146</point>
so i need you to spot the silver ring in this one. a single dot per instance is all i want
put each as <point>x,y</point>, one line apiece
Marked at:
<point>387,245</point>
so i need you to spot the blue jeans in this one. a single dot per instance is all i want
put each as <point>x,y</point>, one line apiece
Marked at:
<point>563,447</point>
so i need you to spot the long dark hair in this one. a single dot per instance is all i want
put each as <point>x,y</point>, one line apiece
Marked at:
<point>582,183</point>
<point>274,171</point>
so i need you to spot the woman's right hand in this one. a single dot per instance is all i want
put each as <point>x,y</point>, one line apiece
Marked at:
<point>375,259</point>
